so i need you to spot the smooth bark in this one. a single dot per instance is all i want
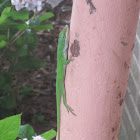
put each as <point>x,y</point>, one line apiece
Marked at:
<point>96,81</point>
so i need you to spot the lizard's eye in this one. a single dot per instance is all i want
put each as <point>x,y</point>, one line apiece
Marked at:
<point>63,37</point>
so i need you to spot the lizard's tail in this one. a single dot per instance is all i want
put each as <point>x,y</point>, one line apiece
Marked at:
<point>58,123</point>
<point>58,99</point>
<point>58,133</point>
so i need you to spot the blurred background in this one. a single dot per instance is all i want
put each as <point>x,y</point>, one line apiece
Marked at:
<point>30,89</point>
<point>33,87</point>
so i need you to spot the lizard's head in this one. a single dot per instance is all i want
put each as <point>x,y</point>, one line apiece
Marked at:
<point>63,38</point>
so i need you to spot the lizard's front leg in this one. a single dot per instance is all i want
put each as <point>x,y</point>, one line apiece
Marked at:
<point>69,60</point>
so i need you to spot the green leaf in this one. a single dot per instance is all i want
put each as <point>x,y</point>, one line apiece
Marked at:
<point>18,25</point>
<point>29,63</point>
<point>9,127</point>
<point>20,15</point>
<point>4,14</point>
<point>9,23</point>
<point>46,16</point>
<point>5,11</point>
<point>26,131</point>
<point>34,23</point>
<point>22,26</point>
<point>43,27</point>
<point>49,135</point>
<point>2,44</point>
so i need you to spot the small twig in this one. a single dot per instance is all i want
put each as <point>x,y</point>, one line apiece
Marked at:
<point>17,37</point>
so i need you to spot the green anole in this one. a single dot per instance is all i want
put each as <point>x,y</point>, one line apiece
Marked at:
<point>60,78</point>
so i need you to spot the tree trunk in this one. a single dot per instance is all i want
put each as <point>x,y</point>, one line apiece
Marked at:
<point>102,37</point>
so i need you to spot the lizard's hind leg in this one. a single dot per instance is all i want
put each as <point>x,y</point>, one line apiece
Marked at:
<point>64,101</point>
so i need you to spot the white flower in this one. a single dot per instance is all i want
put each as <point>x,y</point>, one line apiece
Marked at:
<point>39,5</point>
<point>35,5</point>
<point>27,22</point>
<point>30,5</point>
<point>24,139</point>
<point>18,5</point>
<point>13,2</point>
<point>38,138</point>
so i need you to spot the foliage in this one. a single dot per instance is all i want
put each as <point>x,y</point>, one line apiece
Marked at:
<point>26,131</point>
<point>18,39</point>
<point>11,128</point>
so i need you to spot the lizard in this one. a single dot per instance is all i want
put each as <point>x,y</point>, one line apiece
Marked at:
<point>62,61</point>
